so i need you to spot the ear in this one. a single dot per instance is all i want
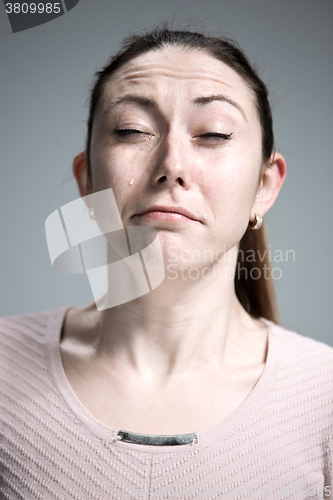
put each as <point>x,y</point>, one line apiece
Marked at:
<point>271,182</point>
<point>80,171</point>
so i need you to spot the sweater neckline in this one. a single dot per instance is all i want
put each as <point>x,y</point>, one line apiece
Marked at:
<point>227,427</point>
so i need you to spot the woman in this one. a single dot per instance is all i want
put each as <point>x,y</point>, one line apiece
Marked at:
<point>191,390</point>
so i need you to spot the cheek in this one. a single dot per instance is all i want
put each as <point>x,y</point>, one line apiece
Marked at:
<point>231,196</point>
<point>111,169</point>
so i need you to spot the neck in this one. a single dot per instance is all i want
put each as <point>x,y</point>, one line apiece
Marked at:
<point>180,327</point>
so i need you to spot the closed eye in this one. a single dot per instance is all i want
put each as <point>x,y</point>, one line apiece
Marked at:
<point>128,131</point>
<point>216,135</point>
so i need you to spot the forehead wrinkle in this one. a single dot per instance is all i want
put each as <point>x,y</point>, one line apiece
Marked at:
<point>175,75</point>
<point>134,76</point>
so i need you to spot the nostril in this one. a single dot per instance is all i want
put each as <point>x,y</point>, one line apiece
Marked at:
<point>164,178</point>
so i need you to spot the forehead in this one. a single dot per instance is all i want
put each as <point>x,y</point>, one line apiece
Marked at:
<point>182,73</point>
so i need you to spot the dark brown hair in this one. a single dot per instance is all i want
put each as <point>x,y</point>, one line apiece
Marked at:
<point>256,294</point>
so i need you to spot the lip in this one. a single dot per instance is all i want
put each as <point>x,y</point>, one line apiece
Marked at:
<point>170,210</point>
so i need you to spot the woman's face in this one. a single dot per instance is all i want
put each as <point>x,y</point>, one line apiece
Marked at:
<point>178,131</point>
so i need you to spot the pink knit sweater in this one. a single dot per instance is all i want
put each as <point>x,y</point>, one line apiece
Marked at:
<point>277,444</point>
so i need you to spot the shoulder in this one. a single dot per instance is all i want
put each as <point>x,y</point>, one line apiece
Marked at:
<point>21,336</point>
<point>29,324</point>
<point>306,365</point>
<point>301,394</point>
<point>293,343</point>
<point>24,321</point>
<point>24,362</point>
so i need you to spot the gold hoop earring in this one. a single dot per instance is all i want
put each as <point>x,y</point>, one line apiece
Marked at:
<point>257,223</point>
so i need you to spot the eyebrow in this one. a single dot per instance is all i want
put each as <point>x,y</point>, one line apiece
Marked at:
<point>142,101</point>
<point>147,103</point>
<point>219,97</point>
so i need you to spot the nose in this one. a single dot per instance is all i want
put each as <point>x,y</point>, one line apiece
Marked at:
<point>171,162</point>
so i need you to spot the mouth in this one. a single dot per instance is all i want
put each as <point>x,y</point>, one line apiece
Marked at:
<point>168,214</point>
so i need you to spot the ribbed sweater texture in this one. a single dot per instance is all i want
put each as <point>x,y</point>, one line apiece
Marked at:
<point>277,444</point>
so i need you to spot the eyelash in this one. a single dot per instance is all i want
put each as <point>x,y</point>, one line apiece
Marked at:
<point>217,135</point>
<point>129,131</point>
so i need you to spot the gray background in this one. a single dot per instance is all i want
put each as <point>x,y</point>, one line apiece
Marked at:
<point>45,78</point>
